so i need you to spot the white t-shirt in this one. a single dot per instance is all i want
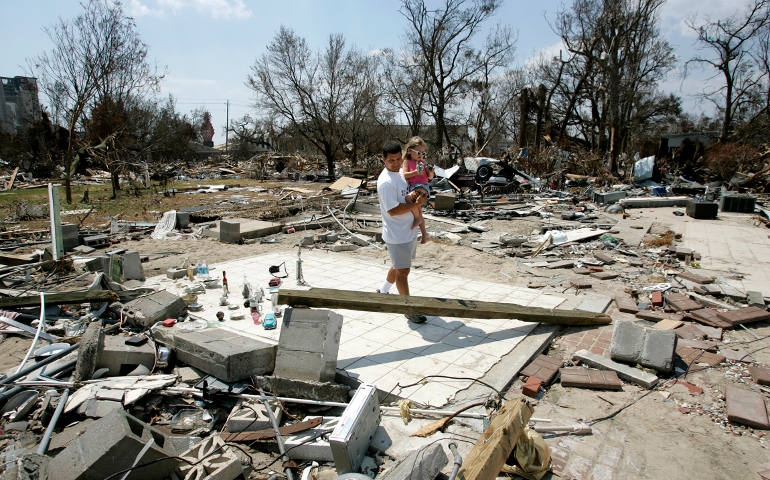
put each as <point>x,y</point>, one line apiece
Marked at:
<point>391,190</point>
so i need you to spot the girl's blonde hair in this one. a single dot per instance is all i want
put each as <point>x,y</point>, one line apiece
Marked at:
<point>413,142</point>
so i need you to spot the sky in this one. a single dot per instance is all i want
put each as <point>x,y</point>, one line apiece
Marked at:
<point>206,47</point>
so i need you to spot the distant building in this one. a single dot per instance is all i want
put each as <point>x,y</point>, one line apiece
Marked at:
<point>19,104</point>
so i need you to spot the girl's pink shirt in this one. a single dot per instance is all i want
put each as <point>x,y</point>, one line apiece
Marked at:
<point>420,177</point>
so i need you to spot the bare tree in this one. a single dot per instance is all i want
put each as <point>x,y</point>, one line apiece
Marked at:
<point>311,94</point>
<point>407,87</point>
<point>730,42</point>
<point>442,40</point>
<point>96,55</point>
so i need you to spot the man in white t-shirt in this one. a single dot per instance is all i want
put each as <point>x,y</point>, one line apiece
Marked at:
<point>398,230</point>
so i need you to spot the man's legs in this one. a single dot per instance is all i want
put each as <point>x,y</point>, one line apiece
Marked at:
<point>399,277</point>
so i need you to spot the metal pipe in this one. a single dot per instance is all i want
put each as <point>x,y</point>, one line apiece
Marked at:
<point>37,334</point>
<point>52,424</point>
<point>278,438</point>
<point>458,460</point>
<point>13,391</point>
<point>39,364</point>
<point>397,410</point>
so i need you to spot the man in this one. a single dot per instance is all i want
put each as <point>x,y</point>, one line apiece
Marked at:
<point>397,221</point>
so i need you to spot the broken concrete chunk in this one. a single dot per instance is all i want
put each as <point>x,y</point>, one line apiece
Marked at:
<point>693,356</point>
<point>120,358</point>
<point>625,372</point>
<point>422,464</point>
<point>210,459</point>
<point>91,343</point>
<point>755,299</point>
<point>113,443</point>
<point>658,350</point>
<point>590,378</point>
<point>694,277</point>
<point>291,387</point>
<point>156,307</point>
<point>307,241</point>
<point>226,355</point>
<point>83,249</point>
<point>746,407</point>
<point>312,444</point>
<point>229,232</point>
<point>699,344</point>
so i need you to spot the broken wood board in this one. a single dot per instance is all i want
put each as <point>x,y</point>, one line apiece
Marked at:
<point>442,307</point>
<point>343,183</point>
<point>497,442</point>
<point>13,260</point>
<point>59,298</point>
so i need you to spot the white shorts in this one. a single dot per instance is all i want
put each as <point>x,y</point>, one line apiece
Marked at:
<point>401,254</point>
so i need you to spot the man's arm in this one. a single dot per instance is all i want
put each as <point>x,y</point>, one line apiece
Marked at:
<point>404,208</point>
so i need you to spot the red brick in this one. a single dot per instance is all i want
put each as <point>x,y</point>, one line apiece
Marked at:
<point>595,268</point>
<point>681,302</point>
<point>694,277</point>
<point>760,375</point>
<point>657,299</point>
<point>590,378</point>
<point>542,367</point>
<point>708,316</point>
<point>694,389</point>
<point>532,387</point>
<point>744,315</point>
<point>746,407</point>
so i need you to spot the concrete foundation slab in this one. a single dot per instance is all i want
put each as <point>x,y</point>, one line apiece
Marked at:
<point>156,307</point>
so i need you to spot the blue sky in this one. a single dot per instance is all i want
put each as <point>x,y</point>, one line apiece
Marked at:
<point>206,47</point>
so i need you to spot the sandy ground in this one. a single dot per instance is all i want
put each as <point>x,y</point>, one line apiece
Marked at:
<point>656,440</point>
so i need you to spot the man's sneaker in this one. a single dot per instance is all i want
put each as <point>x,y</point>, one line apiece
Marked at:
<point>416,318</point>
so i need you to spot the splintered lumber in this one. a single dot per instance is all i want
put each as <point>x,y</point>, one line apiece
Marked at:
<point>88,296</point>
<point>441,307</point>
<point>496,443</point>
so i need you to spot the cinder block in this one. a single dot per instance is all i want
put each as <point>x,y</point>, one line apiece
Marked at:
<point>737,203</point>
<point>658,349</point>
<point>627,342</point>
<point>158,306</point>
<point>98,264</point>
<point>309,343</point>
<point>226,355</point>
<point>702,210</point>
<point>307,241</point>
<point>422,464</point>
<point>70,237</point>
<point>132,266</point>
<point>605,198</point>
<point>111,444</point>
<point>182,219</point>
<point>444,201</point>
<point>251,415</point>
<point>121,359</point>
<point>229,232</point>
<point>210,459</point>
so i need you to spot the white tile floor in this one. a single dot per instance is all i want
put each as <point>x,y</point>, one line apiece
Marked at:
<point>381,348</point>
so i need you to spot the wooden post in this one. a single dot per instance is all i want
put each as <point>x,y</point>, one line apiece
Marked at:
<point>497,442</point>
<point>55,213</point>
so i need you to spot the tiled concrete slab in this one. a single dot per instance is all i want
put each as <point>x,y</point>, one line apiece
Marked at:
<point>542,367</point>
<point>746,407</point>
<point>590,378</point>
<point>381,348</point>
<point>595,303</point>
<point>745,315</point>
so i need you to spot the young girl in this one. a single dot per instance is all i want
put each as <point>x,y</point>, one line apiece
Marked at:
<point>417,175</point>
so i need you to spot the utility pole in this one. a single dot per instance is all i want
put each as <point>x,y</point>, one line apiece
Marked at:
<point>227,125</point>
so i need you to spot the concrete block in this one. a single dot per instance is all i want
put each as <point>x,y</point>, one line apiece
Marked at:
<point>132,266</point>
<point>654,202</point>
<point>606,198</point>
<point>70,236</point>
<point>113,443</point>
<point>251,415</point>
<point>422,464</point>
<point>332,237</point>
<point>307,241</point>
<point>658,350</point>
<point>121,359</point>
<point>625,372</point>
<point>343,247</point>
<point>746,407</point>
<point>295,388</point>
<point>84,249</point>
<point>737,203</point>
<point>229,232</point>
<point>310,444</point>
<point>98,264</point>
<point>627,342</point>
<point>91,342</point>
<point>210,459</point>
<point>176,273</point>
<point>444,201</point>
<point>590,378</point>
<point>226,355</point>
<point>158,306</point>
<point>308,345</point>
<point>182,219</point>
<point>702,210</point>
<point>755,299</point>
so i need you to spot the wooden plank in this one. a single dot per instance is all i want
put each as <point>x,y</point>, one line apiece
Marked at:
<point>13,179</point>
<point>89,296</point>
<point>442,307</point>
<point>16,259</point>
<point>497,442</point>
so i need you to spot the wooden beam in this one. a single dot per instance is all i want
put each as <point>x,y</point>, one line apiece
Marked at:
<point>58,298</point>
<point>442,307</point>
<point>13,179</point>
<point>14,259</point>
<point>496,443</point>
